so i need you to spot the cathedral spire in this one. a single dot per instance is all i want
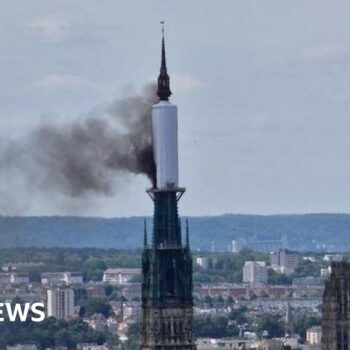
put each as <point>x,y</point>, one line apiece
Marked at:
<point>163,78</point>
<point>167,285</point>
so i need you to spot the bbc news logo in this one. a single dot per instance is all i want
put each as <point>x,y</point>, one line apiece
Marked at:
<point>22,312</point>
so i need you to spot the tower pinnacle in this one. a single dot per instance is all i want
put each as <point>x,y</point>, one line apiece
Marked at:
<point>163,78</point>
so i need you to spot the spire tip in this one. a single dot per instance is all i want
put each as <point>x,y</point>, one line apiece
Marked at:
<point>163,78</point>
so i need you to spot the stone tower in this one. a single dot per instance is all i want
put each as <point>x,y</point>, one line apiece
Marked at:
<point>167,305</point>
<point>336,308</point>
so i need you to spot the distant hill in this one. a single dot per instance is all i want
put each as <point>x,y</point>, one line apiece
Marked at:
<point>304,232</point>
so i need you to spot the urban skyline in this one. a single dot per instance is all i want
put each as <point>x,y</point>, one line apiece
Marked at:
<point>262,127</point>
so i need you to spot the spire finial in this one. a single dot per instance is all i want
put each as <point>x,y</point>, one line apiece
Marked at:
<point>163,78</point>
<point>144,232</point>
<point>187,235</point>
<point>162,23</point>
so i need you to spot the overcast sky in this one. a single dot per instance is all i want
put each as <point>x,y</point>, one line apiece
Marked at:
<point>262,87</point>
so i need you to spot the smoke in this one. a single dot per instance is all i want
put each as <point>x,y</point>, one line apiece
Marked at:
<point>91,155</point>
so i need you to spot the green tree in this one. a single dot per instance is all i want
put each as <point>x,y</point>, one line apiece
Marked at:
<point>133,335</point>
<point>214,327</point>
<point>270,324</point>
<point>229,302</point>
<point>278,278</point>
<point>95,306</point>
<point>305,323</point>
<point>80,295</point>
<point>208,300</point>
<point>238,315</point>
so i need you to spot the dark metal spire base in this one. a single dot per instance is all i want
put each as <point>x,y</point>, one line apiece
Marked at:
<point>167,304</point>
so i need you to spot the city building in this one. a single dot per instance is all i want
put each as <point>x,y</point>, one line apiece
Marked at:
<point>254,272</point>
<point>314,335</point>
<point>325,272</point>
<point>132,291</point>
<point>309,258</point>
<point>14,266</point>
<point>22,347</point>
<point>218,344</point>
<point>120,276</point>
<point>60,303</point>
<point>59,278</point>
<point>167,303</point>
<point>336,310</point>
<point>5,278</point>
<point>236,291</point>
<point>303,306</point>
<point>203,262</point>
<point>97,322</point>
<point>237,245</point>
<point>309,281</point>
<point>263,245</point>
<point>131,311</point>
<point>19,278</point>
<point>73,278</point>
<point>51,278</point>
<point>268,344</point>
<point>243,290</point>
<point>112,325</point>
<point>284,261</point>
<point>94,290</point>
<point>92,347</point>
<point>332,257</point>
<point>100,323</point>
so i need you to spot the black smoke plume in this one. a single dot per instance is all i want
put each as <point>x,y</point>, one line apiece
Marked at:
<point>88,156</point>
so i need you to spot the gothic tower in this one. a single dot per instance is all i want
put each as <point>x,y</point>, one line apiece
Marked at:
<point>336,309</point>
<point>167,305</point>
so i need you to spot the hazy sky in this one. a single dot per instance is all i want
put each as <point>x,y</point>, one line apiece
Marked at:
<point>262,87</point>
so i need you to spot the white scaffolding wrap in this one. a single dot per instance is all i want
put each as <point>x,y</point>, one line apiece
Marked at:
<point>164,121</point>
